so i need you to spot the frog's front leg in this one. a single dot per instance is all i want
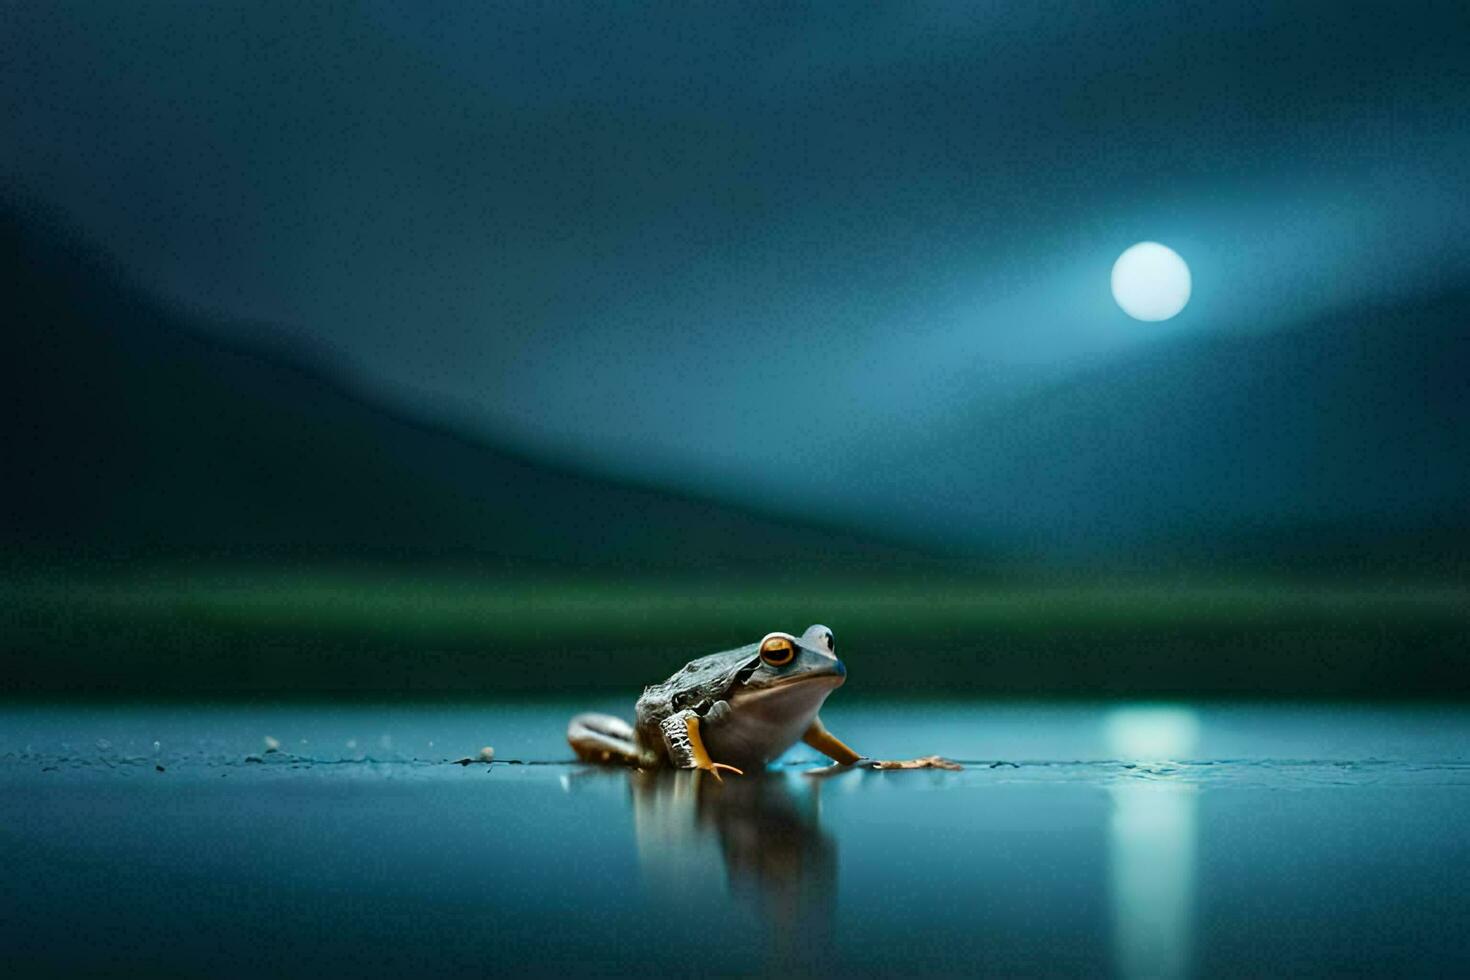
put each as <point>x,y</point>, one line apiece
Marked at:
<point>686,747</point>
<point>828,744</point>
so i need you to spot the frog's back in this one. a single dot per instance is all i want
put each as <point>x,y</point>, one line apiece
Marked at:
<point>698,685</point>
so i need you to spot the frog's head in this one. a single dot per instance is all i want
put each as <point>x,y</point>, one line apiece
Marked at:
<point>793,670</point>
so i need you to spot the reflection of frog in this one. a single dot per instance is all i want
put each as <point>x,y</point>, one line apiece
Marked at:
<point>741,707</point>
<point>764,833</point>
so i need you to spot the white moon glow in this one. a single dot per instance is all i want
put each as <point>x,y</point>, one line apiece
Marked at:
<point>1151,282</point>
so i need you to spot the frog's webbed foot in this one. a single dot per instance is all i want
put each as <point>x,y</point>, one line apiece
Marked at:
<point>833,747</point>
<point>715,767</point>
<point>924,762</point>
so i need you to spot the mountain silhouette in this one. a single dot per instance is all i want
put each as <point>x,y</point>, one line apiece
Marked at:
<point>1343,440</point>
<point>133,431</point>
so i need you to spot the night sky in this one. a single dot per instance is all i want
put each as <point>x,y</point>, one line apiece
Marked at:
<point>818,257</point>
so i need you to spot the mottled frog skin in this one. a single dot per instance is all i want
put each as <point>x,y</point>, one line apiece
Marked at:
<point>740,707</point>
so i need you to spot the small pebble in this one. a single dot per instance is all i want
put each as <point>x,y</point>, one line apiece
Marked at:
<point>487,754</point>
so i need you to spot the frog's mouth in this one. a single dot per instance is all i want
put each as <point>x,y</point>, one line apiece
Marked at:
<point>824,678</point>
<point>834,672</point>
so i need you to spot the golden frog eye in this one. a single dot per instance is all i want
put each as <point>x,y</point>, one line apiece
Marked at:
<point>778,651</point>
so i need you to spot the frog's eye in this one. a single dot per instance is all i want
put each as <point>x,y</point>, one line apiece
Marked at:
<point>778,651</point>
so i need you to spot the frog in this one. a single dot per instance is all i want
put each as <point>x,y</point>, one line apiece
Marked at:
<point>727,712</point>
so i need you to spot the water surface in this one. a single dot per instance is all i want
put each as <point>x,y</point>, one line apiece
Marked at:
<point>1130,841</point>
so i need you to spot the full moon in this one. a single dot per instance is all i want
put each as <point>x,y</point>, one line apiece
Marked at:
<point>1151,282</point>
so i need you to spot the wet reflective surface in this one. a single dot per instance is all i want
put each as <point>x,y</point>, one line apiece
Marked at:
<point>1134,841</point>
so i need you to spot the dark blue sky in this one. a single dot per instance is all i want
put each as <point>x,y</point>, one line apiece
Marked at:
<point>762,250</point>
